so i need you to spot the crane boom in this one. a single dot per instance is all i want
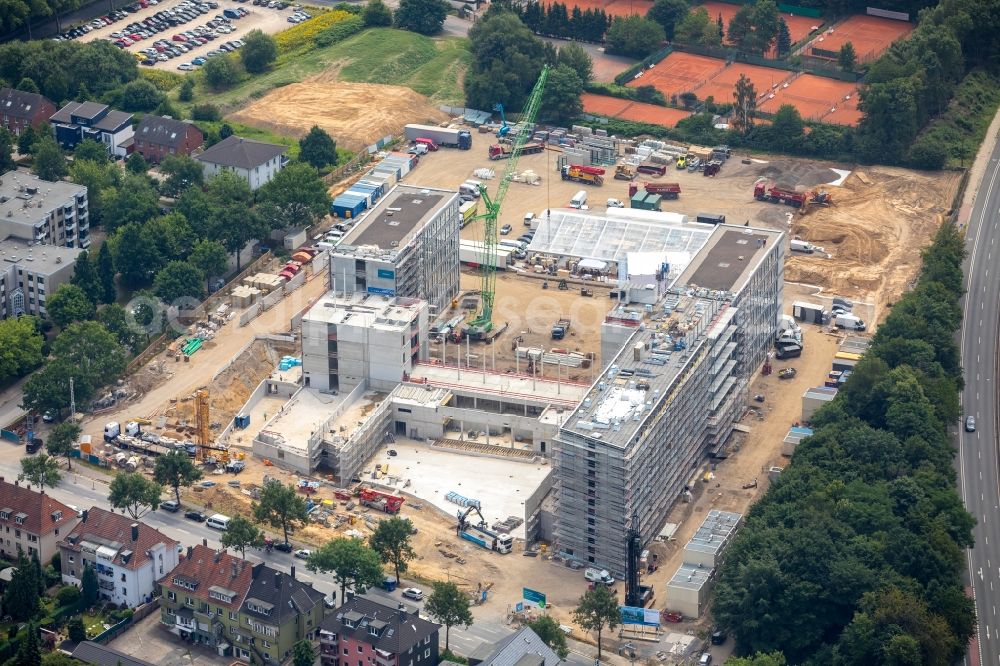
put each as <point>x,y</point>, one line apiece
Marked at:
<point>483,323</point>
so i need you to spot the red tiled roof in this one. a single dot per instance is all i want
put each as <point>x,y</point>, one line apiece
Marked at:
<point>36,509</point>
<point>211,569</point>
<point>108,529</point>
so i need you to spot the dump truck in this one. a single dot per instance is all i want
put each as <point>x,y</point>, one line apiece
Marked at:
<point>560,328</point>
<point>583,174</point>
<point>778,195</point>
<point>381,501</point>
<point>665,190</point>
<point>501,151</point>
<point>442,136</point>
<point>652,169</point>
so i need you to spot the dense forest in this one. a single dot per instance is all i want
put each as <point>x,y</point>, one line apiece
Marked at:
<point>855,554</point>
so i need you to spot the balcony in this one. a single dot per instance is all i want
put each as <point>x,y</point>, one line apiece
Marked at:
<point>384,658</point>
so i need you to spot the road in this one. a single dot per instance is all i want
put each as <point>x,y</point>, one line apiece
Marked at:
<point>979,461</point>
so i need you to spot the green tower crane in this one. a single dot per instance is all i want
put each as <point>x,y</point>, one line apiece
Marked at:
<point>480,327</point>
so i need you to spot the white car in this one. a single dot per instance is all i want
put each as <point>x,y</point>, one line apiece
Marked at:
<point>413,593</point>
<point>303,554</point>
<point>185,67</point>
<point>615,203</point>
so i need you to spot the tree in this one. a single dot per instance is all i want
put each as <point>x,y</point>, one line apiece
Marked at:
<point>548,630</point>
<point>134,261</point>
<point>258,52</point>
<point>50,163</point>
<point>88,149</point>
<point>634,36</point>
<point>27,84</point>
<point>40,470</point>
<point>422,16</point>
<point>303,654</point>
<point>6,151</point>
<point>179,279</point>
<point>576,58</point>
<point>186,91</point>
<point>351,562</point>
<point>296,195</point>
<point>106,274</point>
<point>561,98</point>
<point>67,304</point>
<point>61,441</point>
<point>847,58</point>
<point>182,172</point>
<point>208,112</point>
<point>506,61</point>
<point>210,258</point>
<point>174,470</point>
<point>220,72</point>
<point>597,609</point>
<point>67,594</point>
<point>134,200</point>
<point>240,535</point>
<point>20,347</point>
<point>141,95</point>
<point>29,653</point>
<point>696,27</point>
<point>746,105</point>
<point>787,127</point>
<point>377,14</point>
<point>96,177</point>
<point>21,599</point>
<point>668,13</point>
<point>391,540</point>
<point>134,494</point>
<point>317,147</point>
<point>280,506</point>
<point>92,352</point>
<point>136,163</point>
<point>76,630</point>
<point>27,139</point>
<point>114,318</point>
<point>88,586</point>
<point>85,277</point>
<point>449,606</point>
<point>783,40</point>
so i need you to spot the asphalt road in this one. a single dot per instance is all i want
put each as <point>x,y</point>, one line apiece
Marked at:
<point>979,460</point>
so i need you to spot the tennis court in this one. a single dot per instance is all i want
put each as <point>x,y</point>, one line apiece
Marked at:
<point>814,97</point>
<point>870,35</point>
<point>723,85</point>
<point>612,107</point>
<point>611,7</point>
<point>679,72</point>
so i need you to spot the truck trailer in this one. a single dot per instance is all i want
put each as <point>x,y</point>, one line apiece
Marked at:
<point>442,136</point>
<point>473,253</point>
<point>488,539</point>
<point>761,192</point>
<point>809,312</point>
<point>501,151</point>
<point>665,190</point>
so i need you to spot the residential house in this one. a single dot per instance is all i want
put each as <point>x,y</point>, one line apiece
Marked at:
<point>129,557</point>
<point>522,648</point>
<point>20,110</point>
<point>254,161</point>
<point>31,522</point>
<point>44,212</point>
<point>247,611</point>
<point>363,632</point>
<point>28,274</point>
<point>158,136</point>
<point>96,654</point>
<point>89,120</point>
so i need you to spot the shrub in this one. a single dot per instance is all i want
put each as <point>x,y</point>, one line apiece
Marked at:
<point>162,79</point>
<point>305,33</point>
<point>209,112</point>
<point>340,31</point>
<point>68,594</point>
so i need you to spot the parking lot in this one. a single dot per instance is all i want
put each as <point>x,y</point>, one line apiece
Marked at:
<point>182,31</point>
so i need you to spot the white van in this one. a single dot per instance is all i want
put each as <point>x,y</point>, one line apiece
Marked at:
<point>218,522</point>
<point>579,200</point>
<point>528,217</point>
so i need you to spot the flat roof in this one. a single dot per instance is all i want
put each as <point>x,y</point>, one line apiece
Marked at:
<point>21,193</point>
<point>729,257</point>
<point>715,532</point>
<point>501,385</point>
<point>364,310</point>
<point>690,577</point>
<point>403,211</point>
<point>299,418</point>
<point>39,259</point>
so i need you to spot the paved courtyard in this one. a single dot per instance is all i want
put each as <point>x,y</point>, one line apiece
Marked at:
<point>150,641</point>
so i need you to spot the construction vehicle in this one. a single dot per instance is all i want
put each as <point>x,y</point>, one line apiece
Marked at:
<point>624,172</point>
<point>583,174</point>
<point>439,136</point>
<point>502,151</point>
<point>778,195</point>
<point>481,327</point>
<point>584,291</point>
<point>384,502</point>
<point>665,190</point>
<point>563,285</point>
<point>681,162</point>
<point>786,373</point>
<point>480,534</point>
<point>652,169</point>
<point>504,127</point>
<point>712,168</point>
<point>560,328</point>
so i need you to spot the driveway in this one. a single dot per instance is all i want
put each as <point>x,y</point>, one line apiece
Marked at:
<point>150,641</point>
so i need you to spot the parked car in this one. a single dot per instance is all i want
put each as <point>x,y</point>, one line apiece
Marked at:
<point>505,229</point>
<point>283,547</point>
<point>170,505</point>
<point>413,593</point>
<point>196,516</point>
<point>303,554</point>
<point>185,67</point>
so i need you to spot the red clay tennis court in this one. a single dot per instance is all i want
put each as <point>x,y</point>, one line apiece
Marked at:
<point>815,96</point>
<point>870,35</point>
<point>679,72</point>
<point>722,86</point>
<point>612,107</point>
<point>799,27</point>
<point>611,7</point>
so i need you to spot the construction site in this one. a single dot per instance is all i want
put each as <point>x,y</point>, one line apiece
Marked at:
<point>590,301</point>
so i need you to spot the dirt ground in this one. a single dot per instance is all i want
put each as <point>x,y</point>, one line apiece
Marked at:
<point>356,113</point>
<point>880,220</point>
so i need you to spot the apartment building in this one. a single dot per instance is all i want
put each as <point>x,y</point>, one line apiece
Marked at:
<point>31,522</point>
<point>89,120</point>
<point>157,137</point>
<point>669,396</point>
<point>20,110</point>
<point>256,162</point>
<point>248,611</point>
<point>128,557</point>
<point>29,273</point>
<point>363,632</point>
<point>361,338</point>
<point>407,245</point>
<point>43,212</point>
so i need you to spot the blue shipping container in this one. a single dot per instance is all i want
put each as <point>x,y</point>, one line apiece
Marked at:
<point>347,208</point>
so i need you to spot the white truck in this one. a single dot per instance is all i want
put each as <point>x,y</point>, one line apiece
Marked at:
<point>850,322</point>
<point>442,136</point>
<point>595,575</point>
<point>113,429</point>
<point>801,246</point>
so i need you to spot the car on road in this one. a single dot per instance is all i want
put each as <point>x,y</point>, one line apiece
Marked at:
<point>413,593</point>
<point>170,505</point>
<point>970,424</point>
<point>505,229</point>
<point>303,554</point>
<point>196,516</point>
<point>283,547</point>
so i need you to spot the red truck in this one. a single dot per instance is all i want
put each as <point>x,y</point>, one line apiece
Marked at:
<point>665,190</point>
<point>653,169</point>
<point>501,151</point>
<point>761,192</point>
